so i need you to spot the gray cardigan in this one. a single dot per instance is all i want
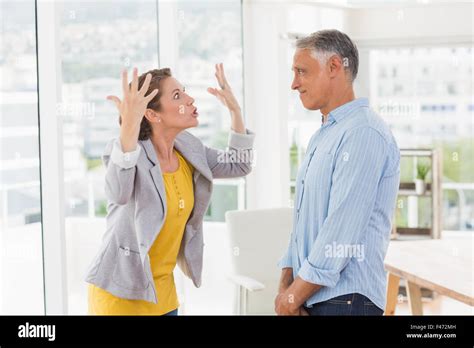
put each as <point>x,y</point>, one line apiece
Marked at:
<point>137,209</point>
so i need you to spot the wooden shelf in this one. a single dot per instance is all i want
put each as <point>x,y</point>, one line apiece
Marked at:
<point>409,189</point>
<point>414,231</point>
<point>433,192</point>
<point>411,186</point>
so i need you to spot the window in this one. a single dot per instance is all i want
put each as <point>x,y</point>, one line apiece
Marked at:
<point>209,33</point>
<point>428,104</point>
<point>21,266</point>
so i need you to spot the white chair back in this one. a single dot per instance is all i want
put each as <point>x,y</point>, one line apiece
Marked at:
<point>258,240</point>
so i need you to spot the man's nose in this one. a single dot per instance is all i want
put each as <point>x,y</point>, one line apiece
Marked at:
<point>295,84</point>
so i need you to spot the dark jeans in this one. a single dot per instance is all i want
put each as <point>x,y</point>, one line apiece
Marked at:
<point>173,312</point>
<point>350,304</point>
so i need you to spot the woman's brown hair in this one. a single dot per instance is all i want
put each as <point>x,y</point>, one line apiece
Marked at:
<point>157,75</point>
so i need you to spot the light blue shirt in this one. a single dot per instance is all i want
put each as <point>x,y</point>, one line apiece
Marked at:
<point>346,190</point>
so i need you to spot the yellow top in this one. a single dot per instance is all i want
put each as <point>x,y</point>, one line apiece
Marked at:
<point>163,253</point>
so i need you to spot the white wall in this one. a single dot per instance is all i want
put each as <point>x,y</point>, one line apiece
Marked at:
<point>436,23</point>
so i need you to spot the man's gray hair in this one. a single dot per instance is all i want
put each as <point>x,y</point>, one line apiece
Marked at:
<point>326,43</point>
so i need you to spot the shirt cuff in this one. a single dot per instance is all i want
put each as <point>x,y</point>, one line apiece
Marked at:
<point>314,275</point>
<point>285,262</point>
<point>241,141</point>
<point>122,159</point>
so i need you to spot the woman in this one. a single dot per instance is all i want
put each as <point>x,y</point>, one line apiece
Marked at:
<point>158,185</point>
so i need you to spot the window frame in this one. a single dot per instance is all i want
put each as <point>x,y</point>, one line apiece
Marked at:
<point>51,152</point>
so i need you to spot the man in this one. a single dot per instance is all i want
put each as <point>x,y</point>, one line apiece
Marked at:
<point>345,190</point>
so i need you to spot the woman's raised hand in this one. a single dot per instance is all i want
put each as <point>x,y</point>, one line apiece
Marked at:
<point>134,103</point>
<point>224,94</point>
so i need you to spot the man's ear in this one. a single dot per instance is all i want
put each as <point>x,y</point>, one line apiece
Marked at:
<point>335,65</point>
<point>152,116</point>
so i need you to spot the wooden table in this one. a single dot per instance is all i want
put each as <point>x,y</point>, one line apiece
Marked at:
<point>443,265</point>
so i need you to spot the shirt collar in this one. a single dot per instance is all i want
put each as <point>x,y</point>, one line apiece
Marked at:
<point>339,113</point>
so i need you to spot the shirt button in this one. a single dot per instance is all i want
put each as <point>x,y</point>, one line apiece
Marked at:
<point>126,157</point>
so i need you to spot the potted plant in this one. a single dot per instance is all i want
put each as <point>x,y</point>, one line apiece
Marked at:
<point>422,170</point>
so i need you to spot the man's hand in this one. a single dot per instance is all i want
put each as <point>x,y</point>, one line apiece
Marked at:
<point>284,305</point>
<point>303,312</point>
<point>290,301</point>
